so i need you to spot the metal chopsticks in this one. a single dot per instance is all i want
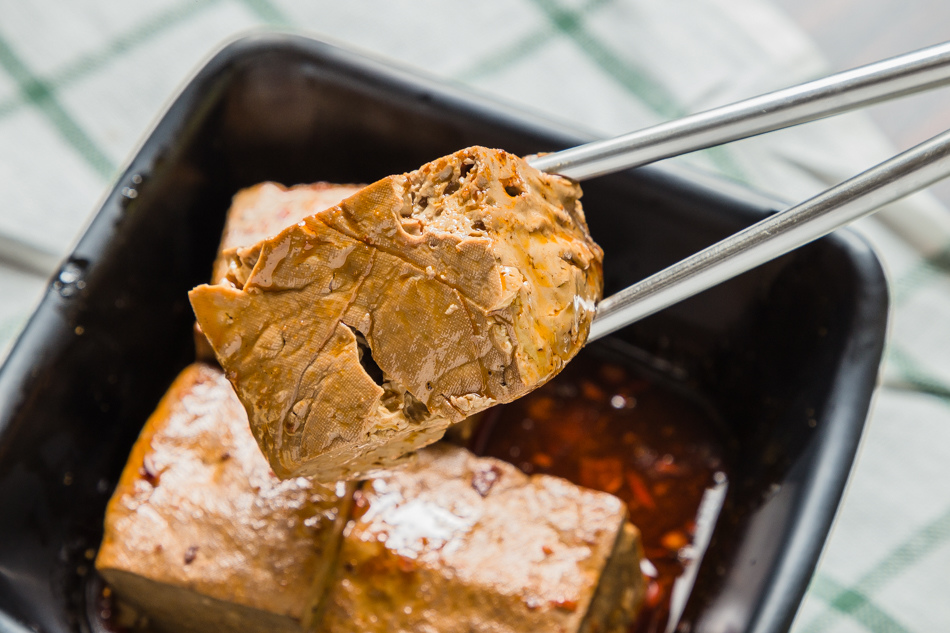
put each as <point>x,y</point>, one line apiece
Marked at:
<point>849,90</point>
<point>776,235</point>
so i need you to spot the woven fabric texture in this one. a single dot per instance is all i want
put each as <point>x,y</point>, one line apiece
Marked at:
<point>82,81</point>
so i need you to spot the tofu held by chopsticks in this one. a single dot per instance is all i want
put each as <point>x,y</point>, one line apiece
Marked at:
<point>200,536</point>
<point>361,333</point>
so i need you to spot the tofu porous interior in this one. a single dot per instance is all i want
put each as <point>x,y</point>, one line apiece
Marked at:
<point>201,535</point>
<point>468,282</point>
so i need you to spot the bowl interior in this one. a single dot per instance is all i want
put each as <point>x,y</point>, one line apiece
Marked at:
<point>787,354</point>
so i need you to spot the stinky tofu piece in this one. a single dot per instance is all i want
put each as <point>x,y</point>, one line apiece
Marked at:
<point>361,333</point>
<point>201,536</point>
<point>453,542</point>
<point>259,212</point>
<point>268,208</point>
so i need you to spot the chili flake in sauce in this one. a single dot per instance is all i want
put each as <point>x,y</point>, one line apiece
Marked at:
<point>601,425</point>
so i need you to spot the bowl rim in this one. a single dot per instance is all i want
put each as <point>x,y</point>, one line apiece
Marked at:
<point>855,375</point>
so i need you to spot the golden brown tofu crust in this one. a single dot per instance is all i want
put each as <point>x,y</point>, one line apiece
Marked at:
<point>453,542</point>
<point>469,282</point>
<point>199,530</point>
<point>268,208</point>
<point>262,211</point>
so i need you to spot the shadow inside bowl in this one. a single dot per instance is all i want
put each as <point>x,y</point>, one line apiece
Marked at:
<point>787,354</point>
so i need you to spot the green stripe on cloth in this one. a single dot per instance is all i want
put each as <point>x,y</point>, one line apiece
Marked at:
<point>928,269</point>
<point>519,50</point>
<point>39,93</point>
<point>854,601</point>
<point>636,81</point>
<point>132,39</point>
<point>267,12</point>
<point>9,327</point>
<point>911,374</point>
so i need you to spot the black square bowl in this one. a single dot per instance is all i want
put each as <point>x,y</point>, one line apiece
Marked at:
<point>787,354</point>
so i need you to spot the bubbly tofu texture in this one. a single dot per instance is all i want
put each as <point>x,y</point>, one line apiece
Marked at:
<point>201,536</point>
<point>359,334</point>
<point>454,542</point>
<point>262,211</point>
<point>266,209</point>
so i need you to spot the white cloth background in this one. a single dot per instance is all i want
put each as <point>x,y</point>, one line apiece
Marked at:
<point>81,82</point>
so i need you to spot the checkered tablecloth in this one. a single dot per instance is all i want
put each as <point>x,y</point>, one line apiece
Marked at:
<point>82,80</point>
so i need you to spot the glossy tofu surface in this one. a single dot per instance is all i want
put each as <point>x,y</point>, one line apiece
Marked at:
<point>454,542</point>
<point>268,208</point>
<point>424,298</point>
<point>201,535</point>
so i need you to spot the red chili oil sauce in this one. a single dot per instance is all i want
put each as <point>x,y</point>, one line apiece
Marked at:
<point>601,425</point>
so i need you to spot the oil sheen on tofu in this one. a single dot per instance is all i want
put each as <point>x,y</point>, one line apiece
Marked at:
<point>455,542</point>
<point>200,536</point>
<point>361,333</point>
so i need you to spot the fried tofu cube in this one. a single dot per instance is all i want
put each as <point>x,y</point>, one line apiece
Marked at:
<point>262,211</point>
<point>453,542</point>
<point>266,209</point>
<point>201,536</point>
<point>361,333</point>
